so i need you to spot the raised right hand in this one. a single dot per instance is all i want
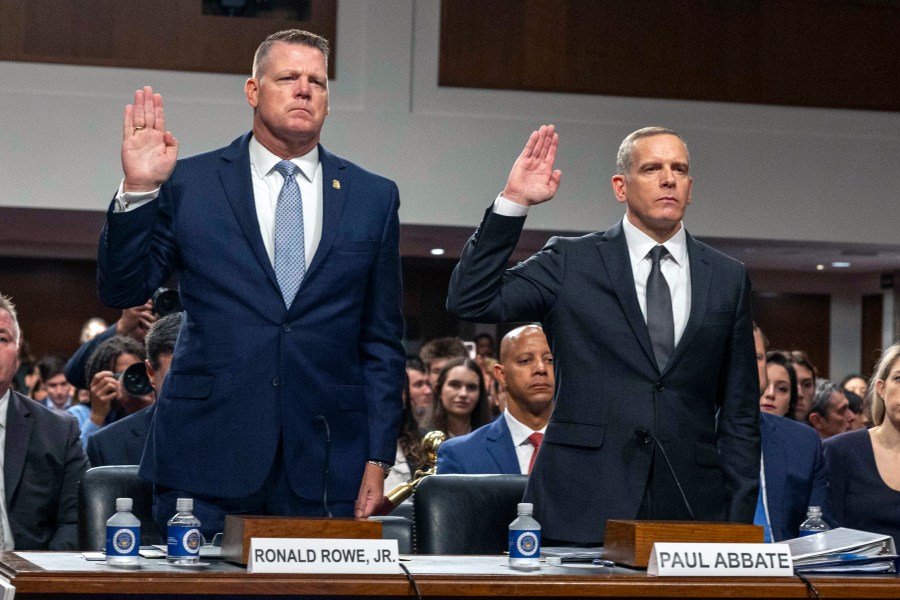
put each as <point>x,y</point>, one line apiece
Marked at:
<point>533,179</point>
<point>149,151</point>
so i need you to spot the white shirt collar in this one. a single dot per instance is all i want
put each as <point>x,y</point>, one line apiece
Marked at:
<point>640,244</point>
<point>518,430</point>
<point>262,161</point>
<point>4,403</point>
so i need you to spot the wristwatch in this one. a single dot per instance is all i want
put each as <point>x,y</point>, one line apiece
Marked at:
<point>381,465</point>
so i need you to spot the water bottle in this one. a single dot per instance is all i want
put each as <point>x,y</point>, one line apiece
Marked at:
<point>525,540</point>
<point>814,523</point>
<point>123,536</point>
<point>183,535</point>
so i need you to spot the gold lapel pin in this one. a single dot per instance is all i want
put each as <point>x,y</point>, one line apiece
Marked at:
<point>336,184</point>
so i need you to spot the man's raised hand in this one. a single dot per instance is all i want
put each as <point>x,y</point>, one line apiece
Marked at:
<point>149,151</point>
<point>533,179</point>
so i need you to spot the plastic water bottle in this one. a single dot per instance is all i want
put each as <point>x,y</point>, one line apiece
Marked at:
<point>183,534</point>
<point>525,540</point>
<point>814,523</point>
<point>123,536</point>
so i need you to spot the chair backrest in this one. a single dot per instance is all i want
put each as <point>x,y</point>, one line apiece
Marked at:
<point>97,495</point>
<point>465,514</point>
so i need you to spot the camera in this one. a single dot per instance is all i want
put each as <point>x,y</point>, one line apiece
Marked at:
<point>166,301</point>
<point>135,380</point>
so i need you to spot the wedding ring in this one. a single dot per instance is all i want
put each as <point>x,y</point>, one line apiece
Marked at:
<point>138,128</point>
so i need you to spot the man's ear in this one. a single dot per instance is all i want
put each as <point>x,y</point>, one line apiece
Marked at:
<point>815,419</point>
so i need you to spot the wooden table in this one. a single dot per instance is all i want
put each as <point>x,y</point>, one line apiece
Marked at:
<point>67,575</point>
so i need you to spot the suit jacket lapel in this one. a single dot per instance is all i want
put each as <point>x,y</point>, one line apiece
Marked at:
<point>18,435</point>
<point>500,446</point>
<point>614,253</point>
<point>701,275</point>
<point>335,187</point>
<point>235,175</point>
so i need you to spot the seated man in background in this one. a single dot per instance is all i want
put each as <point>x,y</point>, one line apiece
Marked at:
<point>42,460</point>
<point>52,370</point>
<point>510,443</point>
<point>110,401</point>
<point>830,412</point>
<point>792,476</point>
<point>122,442</point>
<point>421,396</point>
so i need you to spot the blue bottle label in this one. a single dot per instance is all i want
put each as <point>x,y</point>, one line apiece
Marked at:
<point>183,540</point>
<point>524,543</point>
<point>123,541</point>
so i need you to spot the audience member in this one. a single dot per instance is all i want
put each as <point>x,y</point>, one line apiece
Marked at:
<point>510,443</point>
<point>830,411</point>
<point>806,383</point>
<point>42,460</point>
<point>122,442</point>
<point>419,393</point>
<point>484,345</point>
<point>792,475</point>
<point>91,329</point>
<point>134,323</point>
<point>460,398</point>
<point>855,403</point>
<point>53,376</point>
<point>438,352</point>
<point>410,454</point>
<point>863,466</point>
<point>855,383</point>
<point>110,401</point>
<point>780,395</point>
<point>27,376</point>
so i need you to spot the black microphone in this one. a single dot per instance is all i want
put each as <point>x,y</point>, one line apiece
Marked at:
<point>321,419</point>
<point>644,434</point>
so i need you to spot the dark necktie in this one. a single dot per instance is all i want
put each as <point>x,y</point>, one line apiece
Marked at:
<point>535,439</point>
<point>290,248</point>
<point>659,310</point>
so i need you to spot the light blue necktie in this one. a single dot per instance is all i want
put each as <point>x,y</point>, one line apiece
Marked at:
<point>290,246</point>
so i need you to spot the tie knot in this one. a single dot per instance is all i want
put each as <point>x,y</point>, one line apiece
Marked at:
<point>657,253</point>
<point>286,168</point>
<point>535,439</point>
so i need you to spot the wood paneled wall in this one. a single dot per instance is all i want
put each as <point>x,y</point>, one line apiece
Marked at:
<point>174,35</point>
<point>826,53</point>
<point>797,322</point>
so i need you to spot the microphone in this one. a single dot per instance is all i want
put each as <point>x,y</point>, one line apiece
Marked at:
<point>645,436</point>
<point>321,419</point>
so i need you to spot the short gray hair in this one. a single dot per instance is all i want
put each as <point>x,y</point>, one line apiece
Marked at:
<point>825,389</point>
<point>6,304</point>
<point>625,156</point>
<point>289,36</point>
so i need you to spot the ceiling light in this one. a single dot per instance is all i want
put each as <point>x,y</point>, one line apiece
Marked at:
<point>840,264</point>
<point>820,267</point>
<point>437,251</point>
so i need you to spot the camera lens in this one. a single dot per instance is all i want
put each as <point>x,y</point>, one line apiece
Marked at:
<point>135,380</point>
<point>166,301</point>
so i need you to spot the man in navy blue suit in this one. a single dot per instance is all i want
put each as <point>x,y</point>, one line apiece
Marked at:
<point>510,443</point>
<point>651,334</point>
<point>289,273</point>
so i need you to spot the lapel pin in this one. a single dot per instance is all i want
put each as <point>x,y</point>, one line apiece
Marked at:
<point>336,184</point>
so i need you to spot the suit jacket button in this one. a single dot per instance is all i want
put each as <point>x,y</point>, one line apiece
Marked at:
<point>276,382</point>
<point>659,386</point>
<point>286,328</point>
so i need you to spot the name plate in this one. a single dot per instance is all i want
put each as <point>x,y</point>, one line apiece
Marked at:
<point>323,555</point>
<point>722,560</point>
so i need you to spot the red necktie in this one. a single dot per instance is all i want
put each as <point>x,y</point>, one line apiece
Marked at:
<point>535,439</point>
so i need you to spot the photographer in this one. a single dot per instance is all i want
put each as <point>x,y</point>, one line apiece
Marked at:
<point>110,400</point>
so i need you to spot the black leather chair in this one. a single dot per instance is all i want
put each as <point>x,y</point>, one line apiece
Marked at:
<point>465,514</point>
<point>97,502</point>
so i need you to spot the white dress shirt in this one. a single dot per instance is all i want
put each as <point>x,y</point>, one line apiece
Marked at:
<point>676,267</point>
<point>520,433</point>
<point>267,184</point>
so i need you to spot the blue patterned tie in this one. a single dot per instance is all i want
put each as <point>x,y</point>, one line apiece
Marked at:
<point>290,247</point>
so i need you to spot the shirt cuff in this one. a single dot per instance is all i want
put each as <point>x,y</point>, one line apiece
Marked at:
<point>508,208</point>
<point>126,201</point>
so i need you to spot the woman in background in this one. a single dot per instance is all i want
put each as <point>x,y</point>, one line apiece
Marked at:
<point>461,402</point>
<point>780,395</point>
<point>863,466</point>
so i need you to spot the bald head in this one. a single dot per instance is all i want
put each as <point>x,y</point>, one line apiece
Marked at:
<point>526,371</point>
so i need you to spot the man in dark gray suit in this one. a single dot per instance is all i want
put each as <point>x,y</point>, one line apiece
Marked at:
<point>656,387</point>
<point>42,460</point>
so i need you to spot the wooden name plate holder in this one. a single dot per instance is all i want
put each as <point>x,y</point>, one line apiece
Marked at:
<point>630,542</point>
<point>239,529</point>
